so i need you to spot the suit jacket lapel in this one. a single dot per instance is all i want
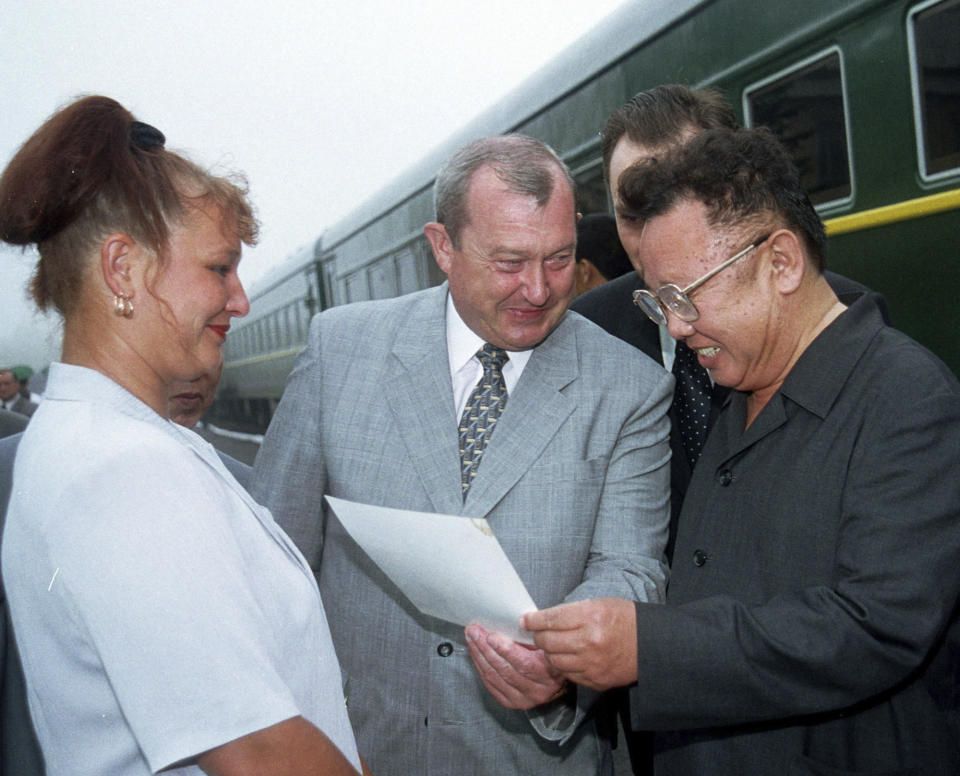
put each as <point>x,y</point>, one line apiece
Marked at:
<point>420,396</point>
<point>534,412</point>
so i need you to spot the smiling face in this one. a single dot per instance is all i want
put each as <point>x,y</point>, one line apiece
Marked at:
<point>736,336</point>
<point>193,296</point>
<point>512,277</point>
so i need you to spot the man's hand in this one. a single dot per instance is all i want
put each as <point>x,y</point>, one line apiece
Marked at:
<point>517,676</point>
<point>593,643</point>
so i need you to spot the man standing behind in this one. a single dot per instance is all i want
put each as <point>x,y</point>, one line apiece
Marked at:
<point>574,479</point>
<point>645,127</point>
<point>812,621</point>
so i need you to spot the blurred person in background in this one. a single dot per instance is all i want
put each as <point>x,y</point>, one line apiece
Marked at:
<point>10,396</point>
<point>600,256</point>
<point>189,401</point>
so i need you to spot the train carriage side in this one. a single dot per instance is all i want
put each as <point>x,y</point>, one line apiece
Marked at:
<point>866,93</point>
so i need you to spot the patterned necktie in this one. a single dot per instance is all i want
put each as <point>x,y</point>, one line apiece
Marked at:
<point>692,401</point>
<point>481,413</point>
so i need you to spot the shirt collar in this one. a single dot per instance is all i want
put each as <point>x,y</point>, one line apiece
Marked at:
<point>822,370</point>
<point>463,343</point>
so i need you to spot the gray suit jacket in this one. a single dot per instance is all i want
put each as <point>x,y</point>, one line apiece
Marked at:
<point>23,406</point>
<point>11,423</point>
<point>574,483</point>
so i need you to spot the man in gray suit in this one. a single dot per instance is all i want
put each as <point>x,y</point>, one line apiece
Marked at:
<point>812,620</point>
<point>574,481</point>
<point>10,398</point>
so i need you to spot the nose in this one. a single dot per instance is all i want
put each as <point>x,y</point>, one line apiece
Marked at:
<point>535,289</point>
<point>678,328</point>
<point>238,305</point>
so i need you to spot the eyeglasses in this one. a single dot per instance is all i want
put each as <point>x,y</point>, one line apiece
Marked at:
<point>676,300</point>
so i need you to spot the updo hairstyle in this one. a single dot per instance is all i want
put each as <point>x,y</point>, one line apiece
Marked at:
<point>92,170</point>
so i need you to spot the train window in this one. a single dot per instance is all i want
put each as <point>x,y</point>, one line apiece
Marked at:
<point>806,108</point>
<point>383,278</point>
<point>357,286</point>
<point>407,272</point>
<point>934,39</point>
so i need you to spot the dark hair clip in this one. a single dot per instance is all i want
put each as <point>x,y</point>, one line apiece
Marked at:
<point>145,137</point>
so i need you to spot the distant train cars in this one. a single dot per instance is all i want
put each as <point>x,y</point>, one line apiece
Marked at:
<point>865,93</point>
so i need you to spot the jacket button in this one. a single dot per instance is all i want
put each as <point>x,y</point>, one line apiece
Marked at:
<point>699,557</point>
<point>725,477</point>
<point>445,649</point>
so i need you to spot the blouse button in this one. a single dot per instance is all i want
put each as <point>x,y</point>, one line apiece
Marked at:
<point>445,649</point>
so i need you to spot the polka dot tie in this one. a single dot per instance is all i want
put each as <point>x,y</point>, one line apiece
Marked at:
<point>691,399</point>
<point>481,413</point>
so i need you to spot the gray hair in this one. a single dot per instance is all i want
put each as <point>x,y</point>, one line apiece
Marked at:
<point>526,165</point>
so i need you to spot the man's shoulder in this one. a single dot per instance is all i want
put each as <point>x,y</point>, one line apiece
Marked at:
<point>611,307</point>
<point>25,406</point>
<point>380,312</point>
<point>11,423</point>
<point>602,354</point>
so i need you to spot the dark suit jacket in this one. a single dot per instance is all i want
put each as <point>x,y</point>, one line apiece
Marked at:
<point>611,307</point>
<point>811,624</point>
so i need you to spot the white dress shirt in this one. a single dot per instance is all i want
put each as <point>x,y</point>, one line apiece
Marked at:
<point>465,368</point>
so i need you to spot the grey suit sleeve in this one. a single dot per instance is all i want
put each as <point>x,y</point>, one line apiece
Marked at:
<point>720,660</point>
<point>630,532</point>
<point>289,475</point>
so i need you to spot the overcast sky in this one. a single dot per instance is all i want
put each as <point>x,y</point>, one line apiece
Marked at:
<point>319,102</point>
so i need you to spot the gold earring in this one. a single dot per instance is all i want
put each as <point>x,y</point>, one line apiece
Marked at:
<point>122,306</point>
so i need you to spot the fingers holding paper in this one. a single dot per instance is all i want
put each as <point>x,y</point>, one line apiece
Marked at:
<point>517,676</point>
<point>593,643</point>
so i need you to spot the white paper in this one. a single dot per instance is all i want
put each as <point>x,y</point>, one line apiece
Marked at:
<point>449,567</point>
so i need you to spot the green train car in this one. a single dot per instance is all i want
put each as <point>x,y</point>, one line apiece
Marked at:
<point>865,93</point>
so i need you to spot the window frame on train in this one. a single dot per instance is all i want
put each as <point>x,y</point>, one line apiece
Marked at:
<point>921,108</point>
<point>788,76</point>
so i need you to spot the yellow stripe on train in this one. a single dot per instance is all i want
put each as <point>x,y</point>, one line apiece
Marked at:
<point>889,214</point>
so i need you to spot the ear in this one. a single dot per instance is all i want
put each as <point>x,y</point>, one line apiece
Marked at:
<point>787,260</point>
<point>441,244</point>
<point>117,260</point>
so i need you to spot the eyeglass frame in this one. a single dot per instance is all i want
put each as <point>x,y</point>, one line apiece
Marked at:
<point>662,305</point>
